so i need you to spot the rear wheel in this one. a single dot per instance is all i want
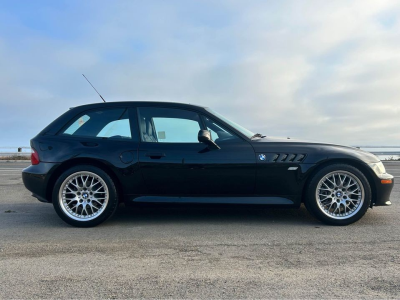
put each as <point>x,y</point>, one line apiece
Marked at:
<point>338,194</point>
<point>85,196</point>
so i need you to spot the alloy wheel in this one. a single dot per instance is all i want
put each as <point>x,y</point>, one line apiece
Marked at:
<point>83,196</point>
<point>340,194</point>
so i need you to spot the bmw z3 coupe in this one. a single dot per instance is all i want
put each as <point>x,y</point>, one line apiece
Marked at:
<point>95,156</point>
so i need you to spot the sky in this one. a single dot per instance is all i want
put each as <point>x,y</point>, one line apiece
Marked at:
<point>317,70</point>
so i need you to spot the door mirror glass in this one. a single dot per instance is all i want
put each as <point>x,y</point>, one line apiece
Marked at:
<point>204,137</point>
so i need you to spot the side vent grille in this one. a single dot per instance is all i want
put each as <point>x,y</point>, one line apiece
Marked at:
<point>284,157</point>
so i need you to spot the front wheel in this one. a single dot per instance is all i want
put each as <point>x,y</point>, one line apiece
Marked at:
<point>338,194</point>
<point>85,196</point>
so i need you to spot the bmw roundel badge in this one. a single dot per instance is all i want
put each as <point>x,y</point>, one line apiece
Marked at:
<point>261,157</point>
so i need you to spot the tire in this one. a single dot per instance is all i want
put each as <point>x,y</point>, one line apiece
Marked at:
<point>338,194</point>
<point>85,196</point>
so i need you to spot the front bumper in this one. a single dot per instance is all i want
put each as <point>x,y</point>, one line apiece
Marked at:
<point>36,179</point>
<point>382,197</point>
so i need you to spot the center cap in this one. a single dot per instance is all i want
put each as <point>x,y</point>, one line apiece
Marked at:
<point>339,194</point>
<point>84,195</point>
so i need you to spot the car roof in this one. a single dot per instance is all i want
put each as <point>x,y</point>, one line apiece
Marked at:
<point>57,124</point>
<point>137,103</point>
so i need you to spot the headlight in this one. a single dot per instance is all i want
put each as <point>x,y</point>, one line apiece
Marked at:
<point>378,168</point>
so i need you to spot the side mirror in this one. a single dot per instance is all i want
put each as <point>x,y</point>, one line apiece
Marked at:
<point>204,137</point>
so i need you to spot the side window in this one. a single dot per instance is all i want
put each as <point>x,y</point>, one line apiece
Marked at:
<point>168,125</point>
<point>112,123</point>
<point>218,133</point>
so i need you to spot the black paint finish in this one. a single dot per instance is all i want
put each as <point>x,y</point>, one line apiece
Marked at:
<point>259,171</point>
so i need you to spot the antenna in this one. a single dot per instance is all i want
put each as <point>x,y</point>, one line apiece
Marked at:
<point>94,88</point>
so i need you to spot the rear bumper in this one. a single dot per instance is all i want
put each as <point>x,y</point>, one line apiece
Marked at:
<point>383,190</point>
<point>36,179</point>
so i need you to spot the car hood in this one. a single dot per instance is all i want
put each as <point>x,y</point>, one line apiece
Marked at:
<point>327,150</point>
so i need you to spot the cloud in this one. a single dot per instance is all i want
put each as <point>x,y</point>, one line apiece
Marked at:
<point>308,69</point>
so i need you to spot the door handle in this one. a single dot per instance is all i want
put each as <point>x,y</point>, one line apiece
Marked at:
<point>155,155</point>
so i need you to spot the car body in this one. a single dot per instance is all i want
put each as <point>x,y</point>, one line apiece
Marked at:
<point>149,151</point>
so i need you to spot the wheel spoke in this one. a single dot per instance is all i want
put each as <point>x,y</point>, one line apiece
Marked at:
<point>97,191</point>
<point>74,185</point>
<point>327,203</point>
<point>334,184</point>
<point>97,201</point>
<point>343,180</point>
<point>354,193</point>
<point>70,200</point>
<point>327,197</point>
<point>351,200</point>
<point>337,206</point>
<point>351,185</point>
<point>93,185</point>
<point>93,206</point>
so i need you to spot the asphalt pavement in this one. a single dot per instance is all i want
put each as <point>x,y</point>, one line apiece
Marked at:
<point>195,252</point>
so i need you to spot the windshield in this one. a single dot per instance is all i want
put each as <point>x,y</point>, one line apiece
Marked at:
<point>239,128</point>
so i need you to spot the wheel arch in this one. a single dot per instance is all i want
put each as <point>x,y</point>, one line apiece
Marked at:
<point>82,161</point>
<point>352,162</point>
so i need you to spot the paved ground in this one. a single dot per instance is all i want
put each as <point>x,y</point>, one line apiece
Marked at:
<point>194,252</point>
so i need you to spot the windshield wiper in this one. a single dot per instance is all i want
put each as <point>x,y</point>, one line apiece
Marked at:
<point>257,135</point>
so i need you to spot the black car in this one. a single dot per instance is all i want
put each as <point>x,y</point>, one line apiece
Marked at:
<point>95,156</point>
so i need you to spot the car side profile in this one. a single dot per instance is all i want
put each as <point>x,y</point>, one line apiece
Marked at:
<point>95,156</point>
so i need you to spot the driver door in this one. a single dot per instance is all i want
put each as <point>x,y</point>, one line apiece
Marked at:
<point>174,163</point>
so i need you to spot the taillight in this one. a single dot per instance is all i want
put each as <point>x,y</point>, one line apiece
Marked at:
<point>34,157</point>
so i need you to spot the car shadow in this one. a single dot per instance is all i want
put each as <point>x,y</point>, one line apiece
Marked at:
<point>211,213</point>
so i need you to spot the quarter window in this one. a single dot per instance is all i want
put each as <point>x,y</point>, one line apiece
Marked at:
<point>218,133</point>
<point>105,123</point>
<point>168,125</point>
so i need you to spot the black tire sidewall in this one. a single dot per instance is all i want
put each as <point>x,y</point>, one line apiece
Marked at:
<point>311,201</point>
<point>112,201</point>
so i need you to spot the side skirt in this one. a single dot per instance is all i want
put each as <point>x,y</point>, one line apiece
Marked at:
<point>215,200</point>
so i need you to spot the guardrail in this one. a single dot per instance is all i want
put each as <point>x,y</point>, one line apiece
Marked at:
<point>15,151</point>
<point>379,150</point>
<point>25,151</point>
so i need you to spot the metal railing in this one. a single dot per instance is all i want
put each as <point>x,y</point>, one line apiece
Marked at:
<point>25,151</point>
<point>391,150</point>
<point>15,151</point>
